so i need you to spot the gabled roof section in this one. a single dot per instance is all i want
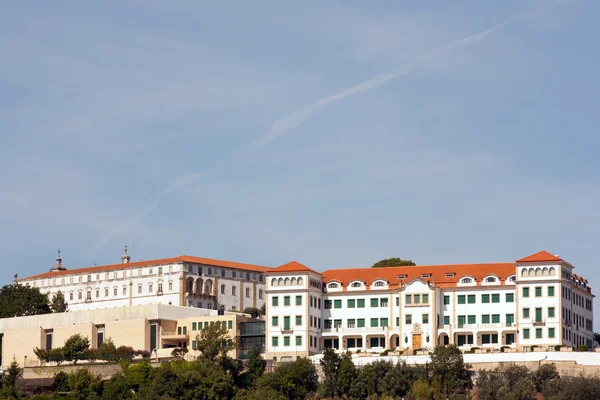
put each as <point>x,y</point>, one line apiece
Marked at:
<point>437,273</point>
<point>293,266</point>
<point>540,257</point>
<point>148,263</point>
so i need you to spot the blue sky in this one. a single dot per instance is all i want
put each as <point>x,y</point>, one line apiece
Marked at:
<point>443,132</point>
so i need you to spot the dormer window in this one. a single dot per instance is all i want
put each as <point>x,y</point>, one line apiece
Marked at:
<point>356,284</point>
<point>449,274</point>
<point>379,284</point>
<point>425,275</point>
<point>333,286</point>
<point>491,279</point>
<point>467,281</point>
<point>512,278</point>
<point>403,276</point>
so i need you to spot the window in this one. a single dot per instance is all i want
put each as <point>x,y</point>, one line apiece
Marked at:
<point>356,284</point>
<point>125,289</point>
<point>248,292</point>
<point>538,291</point>
<point>525,292</point>
<point>333,286</point>
<point>286,341</point>
<point>275,301</point>
<point>328,304</point>
<point>461,299</point>
<point>360,323</point>
<point>408,299</point>
<point>485,298</point>
<point>260,294</point>
<point>526,333</point>
<point>374,302</point>
<point>299,301</point>
<point>79,295</point>
<point>466,280</point>
<point>550,312</point>
<point>275,341</point>
<point>383,302</point>
<point>461,321</point>
<point>510,319</point>
<point>495,318</point>
<point>170,285</point>
<point>446,300</point>
<point>139,290</point>
<point>194,326</point>
<point>150,287</point>
<point>298,320</point>
<point>383,322</point>
<point>408,319</point>
<point>550,291</point>
<point>446,320</point>
<point>71,296</point>
<point>538,314</point>
<point>526,312</point>
<point>351,323</point>
<point>538,333</point>
<point>425,318</point>
<point>425,298</point>
<point>327,324</point>
<point>97,294</point>
<point>496,298</point>
<point>471,319</point>
<point>379,283</point>
<point>374,322</point>
<point>351,303</point>
<point>222,289</point>
<point>337,304</point>
<point>275,321</point>
<point>298,340</point>
<point>360,303</point>
<point>485,319</point>
<point>286,323</point>
<point>417,298</point>
<point>551,333</point>
<point>471,299</point>
<point>510,297</point>
<point>234,290</point>
<point>490,279</point>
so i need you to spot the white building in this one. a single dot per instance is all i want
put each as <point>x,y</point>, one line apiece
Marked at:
<point>180,281</point>
<point>535,301</point>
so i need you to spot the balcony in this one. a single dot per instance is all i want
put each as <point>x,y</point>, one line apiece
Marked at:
<point>539,322</point>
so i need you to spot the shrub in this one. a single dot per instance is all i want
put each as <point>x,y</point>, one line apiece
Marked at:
<point>90,355</point>
<point>503,348</point>
<point>145,354</point>
<point>385,352</point>
<point>125,353</point>
<point>582,348</point>
<point>56,355</point>
<point>107,351</point>
<point>74,347</point>
<point>473,349</point>
<point>61,382</point>
<point>557,347</point>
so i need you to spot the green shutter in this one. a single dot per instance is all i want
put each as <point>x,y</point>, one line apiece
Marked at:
<point>461,299</point>
<point>526,333</point>
<point>275,341</point>
<point>417,298</point>
<point>374,322</point>
<point>298,300</point>
<point>230,324</point>
<point>471,319</point>
<point>495,318</point>
<point>337,304</point>
<point>298,340</point>
<point>286,301</point>
<point>286,340</point>
<point>194,326</point>
<point>538,315</point>
<point>383,322</point>
<point>485,298</point>
<point>551,333</point>
<point>550,291</point>
<point>360,323</point>
<point>425,298</point>
<point>538,333</point>
<point>286,323</point>
<point>485,319</point>
<point>510,297</point>
<point>496,298</point>
<point>538,291</point>
<point>374,302</point>
<point>275,321</point>
<point>510,319</point>
<point>298,320</point>
<point>446,320</point>
<point>525,292</point>
<point>471,299</point>
<point>275,301</point>
<point>550,312</point>
<point>360,303</point>
<point>446,300</point>
<point>408,299</point>
<point>526,313</point>
<point>351,303</point>
<point>461,321</point>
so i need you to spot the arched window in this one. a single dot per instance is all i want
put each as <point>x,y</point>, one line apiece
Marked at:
<point>333,286</point>
<point>300,281</point>
<point>356,284</point>
<point>552,271</point>
<point>466,280</point>
<point>490,279</point>
<point>293,281</point>
<point>274,282</point>
<point>287,281</point>
<point>260,294</point>
<point>379,284</point>
<point>512,278</point>
<point>538,272</point>
<point>524,272</point>
<point>280,282</point>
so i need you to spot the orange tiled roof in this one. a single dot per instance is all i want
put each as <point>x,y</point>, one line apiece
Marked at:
<point>540,257</point>
<point>293,266</point>
<point>436,272</point>
<point>161,261</point>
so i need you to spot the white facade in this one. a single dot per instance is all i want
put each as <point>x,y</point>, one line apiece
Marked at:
<point>521,305</point>
<point>182,281</point>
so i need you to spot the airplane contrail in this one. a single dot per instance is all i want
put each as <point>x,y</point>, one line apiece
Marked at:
<point>300,116</point>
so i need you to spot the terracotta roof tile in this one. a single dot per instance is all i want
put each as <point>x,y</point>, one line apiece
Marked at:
<point>540,257</point>
<point>293,266</point>
<point>161,261</point>
<point>437,273</point>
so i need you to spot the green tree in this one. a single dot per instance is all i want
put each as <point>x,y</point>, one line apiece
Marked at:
<point>253,311</point>
<point>74,348</point>
<point>117,388</point>
<point>9,382</point>
<point>330,363</point>
<point>294,380</point>
<point>58,304</point>
<point>447,365</point>
<point>346,373</point>
<point>544,374</point>
<point>61,382</point>
<point>107,351</point>
<point>84,385</point>
<point>263,309</point>
<point>255,367</point>
<point>18,300</point>
<point>393,262</point>
<point>213,342</point>
<point>597,338</point>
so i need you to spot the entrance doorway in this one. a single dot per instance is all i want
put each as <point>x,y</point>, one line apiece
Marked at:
<point>416,340</point>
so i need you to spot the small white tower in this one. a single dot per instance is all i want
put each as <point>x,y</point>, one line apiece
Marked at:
<point>125,258</point>
<point>58,265</point>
